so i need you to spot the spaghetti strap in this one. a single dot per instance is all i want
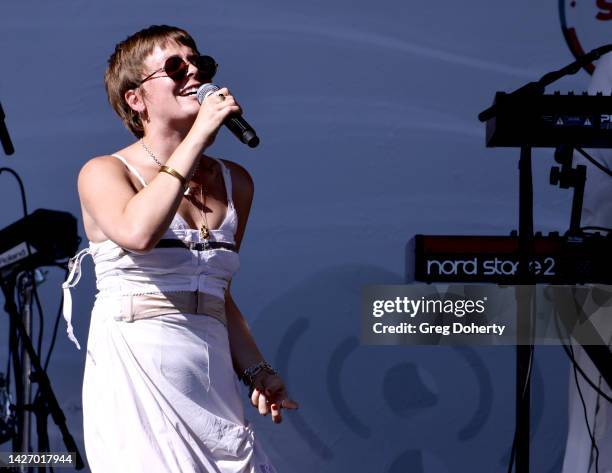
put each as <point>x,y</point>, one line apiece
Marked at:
<point>227,179</point>
<point>132,169</point>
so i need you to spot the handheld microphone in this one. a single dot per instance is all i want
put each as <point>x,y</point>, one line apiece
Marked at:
<point>237,125</point>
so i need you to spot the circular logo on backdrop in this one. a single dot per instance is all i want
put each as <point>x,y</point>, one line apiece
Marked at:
<point>586,25</point>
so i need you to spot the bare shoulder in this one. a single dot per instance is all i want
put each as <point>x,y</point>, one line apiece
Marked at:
<point>104,182</point>
<point>104,189</point>
<point>242,182</point>
<point>101,164</point>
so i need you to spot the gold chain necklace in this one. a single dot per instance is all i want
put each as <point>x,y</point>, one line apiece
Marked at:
<point>204,231</point>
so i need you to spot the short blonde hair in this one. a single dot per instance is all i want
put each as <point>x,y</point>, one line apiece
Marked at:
<point>125,67</point>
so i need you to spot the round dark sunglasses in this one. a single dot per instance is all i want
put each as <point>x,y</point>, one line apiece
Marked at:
<point>176,68</point>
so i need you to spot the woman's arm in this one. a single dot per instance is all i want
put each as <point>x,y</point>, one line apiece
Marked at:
<point>269,394</point>
<point>244,349</point>
<point>245,352</point>
<point>137,220</point>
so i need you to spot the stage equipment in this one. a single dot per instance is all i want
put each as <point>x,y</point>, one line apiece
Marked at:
<point>551,121</point>
<point>548,121</point>
<point>43,238</point>
<point>51,235</point>
<point>555,259</point>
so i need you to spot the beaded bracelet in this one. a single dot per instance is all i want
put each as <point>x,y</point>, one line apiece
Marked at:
<point>248,375</point>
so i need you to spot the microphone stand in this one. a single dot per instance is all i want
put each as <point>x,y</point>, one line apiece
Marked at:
<point>25,286</point>
<point>46,394</point>
<point>524,294</point>
<point>538,86</point>
<point>5,138</point>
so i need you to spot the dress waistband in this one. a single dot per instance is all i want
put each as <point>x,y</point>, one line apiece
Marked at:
<point>192,245</point>
<point>142,306</point>
<point>145,306</point>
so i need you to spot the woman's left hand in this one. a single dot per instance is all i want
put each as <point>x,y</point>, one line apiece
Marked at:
<point>270,396</point>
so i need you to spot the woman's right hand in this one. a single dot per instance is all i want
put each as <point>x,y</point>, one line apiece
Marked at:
<point>213,111</point>
<point>269,395</point>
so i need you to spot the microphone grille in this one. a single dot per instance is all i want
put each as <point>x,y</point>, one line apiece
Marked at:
<point>205,90</point>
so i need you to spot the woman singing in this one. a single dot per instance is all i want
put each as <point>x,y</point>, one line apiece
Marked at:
<point>165,223</point>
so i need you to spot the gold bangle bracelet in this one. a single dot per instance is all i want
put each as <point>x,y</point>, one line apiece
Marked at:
<point>175,173</point>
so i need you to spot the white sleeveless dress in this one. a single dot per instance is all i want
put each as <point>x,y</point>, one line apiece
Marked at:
<point>160,394</point>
